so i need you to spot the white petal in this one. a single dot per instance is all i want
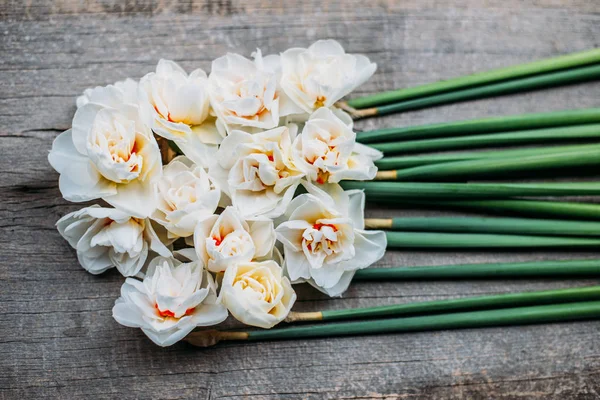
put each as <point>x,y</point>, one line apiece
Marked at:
<point>296,264</point>
<point>328,275</point>
<point>82,124</point>
<point>135,197</point>
<point>287,106</point>
<point>360,168</point>
<point>227,154</point>
<point>337,289</point>
<point>347,119</point>
<point>95,263</point>
<point>79,180</point>
<point>127,316</point>
<point>209,314</point>
<point>356,208</point>
<point>74,225</point>
<point>368,151</point>
<point>168,338</point>
<point>156,244</point>
<point>166,67</point>
<point>370,247</point>
<point>77,193</point>
<point>263,236</point>
<point>328,47</point>
<point>290,233</point>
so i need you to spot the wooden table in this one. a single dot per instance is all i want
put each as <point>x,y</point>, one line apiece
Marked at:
<point>57,335</point>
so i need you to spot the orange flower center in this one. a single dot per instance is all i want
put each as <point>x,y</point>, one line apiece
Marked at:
<point>168,117</point>
<point>322,177</point>
<point>317,226</point>
<point>169,313</point>
<point>320,102</point>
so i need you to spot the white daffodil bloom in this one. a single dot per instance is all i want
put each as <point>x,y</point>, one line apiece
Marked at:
<point>257,293</point>
<point>257,172</point>
<point>109,153</point>
<point>246,93</point>
<point>175,105</point>
<point>106,237</point>
<point>185,195</point>
<point>127,87</point>
<point>327,151</point>
<point>227,239</point>
<point>171,301</point>
<point>325,242</point>
<point>322,74</point>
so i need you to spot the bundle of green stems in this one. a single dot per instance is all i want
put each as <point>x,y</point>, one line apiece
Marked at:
<point>413,173</point>
<point>461,313</point>
<point>551,72</point>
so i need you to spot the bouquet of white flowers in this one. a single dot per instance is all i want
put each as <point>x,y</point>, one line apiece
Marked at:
<point>254,196</point>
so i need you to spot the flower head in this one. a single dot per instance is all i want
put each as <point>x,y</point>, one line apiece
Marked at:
<point>175,105</point>
<point>106,238</point>
<point>226,239</point>
<point>109,153</point>
<point>246,93</point>
<point>257,171</point>
<point>257,293</point>
<point>324,241</point>
<point>327,151</point>
<point>128,89</point>
<point>171,301</point>
<point>322,74</point>
<point>185,195</point>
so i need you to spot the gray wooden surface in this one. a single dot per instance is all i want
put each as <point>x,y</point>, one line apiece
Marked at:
<point>57,336</point>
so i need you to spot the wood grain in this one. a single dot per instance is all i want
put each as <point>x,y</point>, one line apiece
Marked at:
<point>57,336</point>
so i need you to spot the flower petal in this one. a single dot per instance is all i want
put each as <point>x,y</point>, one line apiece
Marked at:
<point>370,247</point>
<point>136,198</point>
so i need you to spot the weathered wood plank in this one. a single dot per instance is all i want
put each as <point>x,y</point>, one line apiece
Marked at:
<point>57,336</point>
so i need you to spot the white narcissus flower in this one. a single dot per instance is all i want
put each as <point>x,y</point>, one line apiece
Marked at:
<point>327,151</point>
<point>322,74</point>
<point>257,293</point>
<point>257,171</point>
<point>185,195</point>
<point>172,300</point>
<point>107,237</point>
<point>247,93</point>
<point>109,153</point>
<point>224,240</point>
<point>175,105</point>
<point>325,242</point>
<point>127,87</point>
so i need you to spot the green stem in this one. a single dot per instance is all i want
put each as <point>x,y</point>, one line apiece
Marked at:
<point>484,125</point>
<point>516,71</point>
<point>520,226</point>
<point>554,209</point>
<point>436,240</point>
<point>399,162</point>
<point>545,136</point>
<point>532,269</point>
<point>553,79</point>
<point>465,320</point>
<point>502,166</point>
<point>397,192</point>
<point>468,303</point>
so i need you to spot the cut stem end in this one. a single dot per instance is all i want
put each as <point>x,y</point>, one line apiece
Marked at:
<point>390,175</point>
<point>304,316</point>
<point>378,223</point>
<point>357,114</point>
